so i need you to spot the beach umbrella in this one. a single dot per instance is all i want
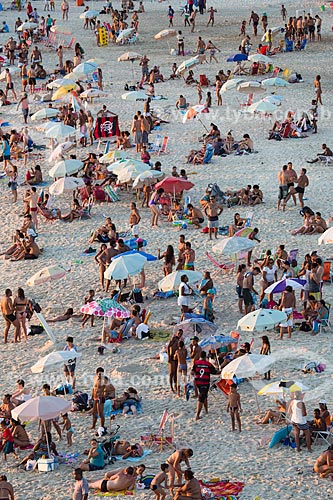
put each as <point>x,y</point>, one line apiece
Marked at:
<point>47,274</point>
<point>113,156</point>
<point>12,71</point>
<point>260,58</point>
<point>148,256</point>
<point>60,150</point>
<point>247,366</point>
<point>119,165</point>
<point>127,33</point>
<point>60,30</point>
<point>276,30</point>
<point>174,185</point>
<point>45,113</point>
<point>231,84</point>
<point>60,130</point>
<point>193,112</point>
<point>129,173</point>
<point>89,14</point>
<point>261,320</point>
<point>129,56</point>
<point>136,95</point>
<point>172,280</point>
<point>91,93</point>
<point>60,82</point>
<point>196,326</point>
<point>273,99</point>
<point>237,57</point>
<point>164,34</point>
<point>261,107</point>
<point>27,25</point>
<point>326,238</point>
<point>215,341</point>
<point>282,386</point>
<point>125,266</point>
<point>275,82</point>
<point>96,60</point>
<point>66,185</point>
<point>251,87</point>
<point>280,286</point>
<point>65,167</point>
<point>63,90</point>
<point>147,175</point>
<point>54,360</point>
<point>233,245</point>
<point>187,65</point>
<point>85,68</point>
<point>244,232</point>
<point>106,308</point>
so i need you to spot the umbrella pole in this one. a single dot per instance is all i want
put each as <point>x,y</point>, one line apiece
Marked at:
<point>102,340</point>
<point>257,401</point>
<point>47,440</point>
<point>204,126</point>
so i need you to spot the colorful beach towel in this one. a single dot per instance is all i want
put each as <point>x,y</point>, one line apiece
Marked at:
<point>135,459</point>
<point>223,490</point>
<point>114,493</point>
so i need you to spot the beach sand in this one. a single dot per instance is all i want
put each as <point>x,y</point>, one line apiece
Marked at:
<point>280,473</point>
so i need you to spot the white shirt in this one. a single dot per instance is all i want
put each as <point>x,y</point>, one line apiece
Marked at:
<point>270,273</point>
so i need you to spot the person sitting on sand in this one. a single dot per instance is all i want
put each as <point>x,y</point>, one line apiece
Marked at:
<point>6,407</point>
<point>95,460</point>
<point>34,176</point>
<point>318,423</point>
<point>191,490</point>
<point>22,393</point>
<point>6,489</point>
<point>75,212</point>
<point>132,402</point>
<point>245,144</point>
<point>319,224</point>
<point>195,216</point>
<point>28,248</point>
<point>41,448</point>
<point>123,480</point>
<point>20,436</point>
<point>275,414</point>
<point>133,451</point>
<point>181,103</point>
<point>63,317</point>
<point>324,463</point>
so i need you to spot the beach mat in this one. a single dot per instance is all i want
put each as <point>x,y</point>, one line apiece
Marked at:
<point>135,459</point>
<point>223,490</point>
<point>114,493</point>
<point>160,335</point>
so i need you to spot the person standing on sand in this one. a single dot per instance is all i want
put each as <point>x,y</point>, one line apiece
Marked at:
<point>172,360</point>
<point>302,183</point>
<point>171,13</point>
<point>202,369</point>
<point>70,366</point>
<point>6,489</point>
<point>283,12</point>
<point>297,412</point>
<point>32,199</point>
<point>234,407</point>
<point>254,19</point>
<point>291,178</point>
<point>317,86</point>
<point>213,210</point>
<point>283,188</point>
<point>174,461</point>
<point>180,356</point>
<point>288,303</point>
<point>81,490</point>
<point>248,291</point>
<point>65,9</point>
<point>7,310</point>
<point>189,256</point>
<point>211,19</point>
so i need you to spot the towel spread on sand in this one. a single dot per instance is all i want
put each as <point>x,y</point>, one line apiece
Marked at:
<point>224,489</point>
<point>114,493</point>
<point>135,459</point>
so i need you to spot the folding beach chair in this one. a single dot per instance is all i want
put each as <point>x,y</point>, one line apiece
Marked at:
<point>326,436</point>
<point>225,267</point>
<point>70,45</point>
<point>158,440</point>
<point>327,276</point>
<point>326,323</point>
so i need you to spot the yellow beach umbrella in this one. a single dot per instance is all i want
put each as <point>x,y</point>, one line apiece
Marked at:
<point>62,91</point>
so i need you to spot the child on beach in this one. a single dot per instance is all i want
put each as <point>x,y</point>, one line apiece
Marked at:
<point>89,298</point>
<point>234,407</point>
<point>242,29</point>
<point>159,479</point>
<point>68,428</point>
<point>7,441</point>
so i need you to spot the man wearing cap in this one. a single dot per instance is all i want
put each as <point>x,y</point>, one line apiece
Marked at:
<point>69,367</point>
<point>195,352</point>
<point>172,362</point>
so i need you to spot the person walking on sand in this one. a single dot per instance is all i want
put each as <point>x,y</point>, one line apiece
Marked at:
<point>171,13</point>
<point>317,86</point>
<point>173,360</point>
<point>153,204</point>
<point>181,356</point>
<point>254,19</point>
<point>211,19</point>
<point>65,9</point>
<point>81,489</point>
<point>9,84</point>
<point>288,303</point>
<point>234,407</point>
<point>297,412</point>
<point>24,103</point>
<point>7,309</point>
<point>202,369</point>
<point>283,188</point>
<point>302,183</point>
<point>212,211</point>
<point>283,13</point>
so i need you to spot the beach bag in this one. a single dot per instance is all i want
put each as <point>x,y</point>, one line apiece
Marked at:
<point>136,296</point>
<point>35,330</point>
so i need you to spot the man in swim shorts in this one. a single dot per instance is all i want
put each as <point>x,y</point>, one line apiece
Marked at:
<point>213,210</point>
<point>7,310</point>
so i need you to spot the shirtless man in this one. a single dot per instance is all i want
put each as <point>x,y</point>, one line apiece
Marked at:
<point>319,224</point>
<point>7,310</point>
<point>123,480</point>
<point>174,462</point>
<point>248,289</point>
<point>6,489</point>
<point>189,257</point>
<point>213,210</point>
<point>201,46</point>
<point>302,183</point>
<point>195,216</point>
<point>159,479</point>
<point>98,392</point>
<point>288,302</point>
<point>255,21</point>
<point>181,250</point>
<point>291,178</point>
<point>9,84</point>
<point>180,356</point>
<point>181,103</point>
<point>134,220</point>
<point>32,199</point>
<point>283,188</point>
<point>323,465</point>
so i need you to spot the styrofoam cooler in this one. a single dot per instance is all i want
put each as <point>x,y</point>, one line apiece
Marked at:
<point>47,464</point>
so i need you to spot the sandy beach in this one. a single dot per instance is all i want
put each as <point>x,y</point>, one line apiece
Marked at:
<point>281,472</point>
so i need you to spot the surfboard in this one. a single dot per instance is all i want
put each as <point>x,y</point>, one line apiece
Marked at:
<point>280,435</point>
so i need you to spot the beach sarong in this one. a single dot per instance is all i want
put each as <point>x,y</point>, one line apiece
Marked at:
<point>224,489</point>
<point>114,493</point>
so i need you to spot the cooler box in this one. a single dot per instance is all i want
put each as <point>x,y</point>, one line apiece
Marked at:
<point>47,464</point>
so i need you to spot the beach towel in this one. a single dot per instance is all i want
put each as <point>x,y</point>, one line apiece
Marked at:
<point>223,489</point>
<point>114,493</point>
<point>108,411</point>
<point>135,459</point>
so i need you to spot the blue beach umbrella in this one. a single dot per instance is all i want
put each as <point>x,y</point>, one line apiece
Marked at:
<point>237,57</point>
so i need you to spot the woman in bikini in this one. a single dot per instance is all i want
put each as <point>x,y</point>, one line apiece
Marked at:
<point>20,306</point>
<point>153,204</point>
<point>169,259</point>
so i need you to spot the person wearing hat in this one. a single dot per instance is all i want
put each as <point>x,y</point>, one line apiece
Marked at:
<point>324,413</point>
<point>24,103</point>
<point>70,365</point>
<point>208,305</point>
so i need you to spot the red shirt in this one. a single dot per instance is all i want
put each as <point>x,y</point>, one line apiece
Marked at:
<point>8,436</point>
<point>202,370</point>
<point>263,50</point>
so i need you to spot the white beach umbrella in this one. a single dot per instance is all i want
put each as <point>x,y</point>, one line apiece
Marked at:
<point>275,82</point>
<point>147,175</point>
<point>233,245</point>
<point>251,87</point>
<point>113,156</point>
<point>231,84</point>
<point>247,366</point>
<point>89,14</point>
<point>259,58</point>
<point>326,238</point>
<point>60,82</point>
<point>47,274</point>
<point>120,166</point>
<point>12,70</point>
<point>45,113</point>
<point>273,99</point>
<point>187,65</point>
<point>261,107</point>
<point>27,25</point>
<point>261,320</point>
<point>65,167</point>
<point>43,407</point>
<point>91,93</point>
<point>172,280</point>
<point>130,173</point>
<point>54,360</point>
<point>60,130</point>
<point>60,150</point>
<point>164,34</point>
<point>85,68</point>
<point>66,185</point>
<point>129,56</point>
<point>136,95</point>
<point>124,266</point>
<point>127,33</point>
